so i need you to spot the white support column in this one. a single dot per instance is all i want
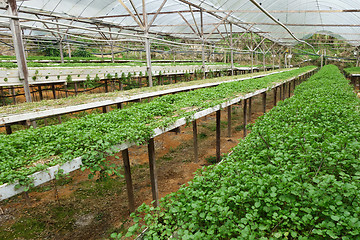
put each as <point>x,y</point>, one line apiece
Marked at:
<point>147,45</point>
<point>232,51</point>
<point>148,59</point>
<point>19,48</point>
<point>202,43</point>
<point>61,51</point>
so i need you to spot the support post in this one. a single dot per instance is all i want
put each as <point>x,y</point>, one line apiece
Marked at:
<point>148,59</point>
<point>202,43</point>
<point>40,93</point>
<point>53,90</point>
<point>231,51</point>
<point>3,95</point>
<point>129,185</point>
<point>245,116</point>
<point>229,120</point>
<point>61,51</point>
<point>289,86</point>
<point>264,101</point>
<point>195,141</point>
<point>218,153</point>
<point>75,88</point>
<point>275,92</point>
<point>250,103</point>
<point>19,48</point>
<point>153,173</point>
<point>8,129</point>
<point>69,49</point>
<point>106,86</point>
<point>13,94</point>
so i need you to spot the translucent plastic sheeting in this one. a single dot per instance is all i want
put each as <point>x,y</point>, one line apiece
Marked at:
<point>302,17</point>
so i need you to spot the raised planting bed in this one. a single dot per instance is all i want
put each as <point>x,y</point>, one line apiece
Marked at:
<point>295,176</point>
<point>36,110</point>
<point>94,137</point>
<point>57,75</point>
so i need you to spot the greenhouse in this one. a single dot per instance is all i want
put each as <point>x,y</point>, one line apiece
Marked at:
<point>179,119</point>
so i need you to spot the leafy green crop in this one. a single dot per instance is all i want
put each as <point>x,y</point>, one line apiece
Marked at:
<point>352,70</point>
<point>295,176</point>
<point>25,152</point>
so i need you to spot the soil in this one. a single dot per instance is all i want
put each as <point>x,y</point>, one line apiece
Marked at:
<point>75,207</point>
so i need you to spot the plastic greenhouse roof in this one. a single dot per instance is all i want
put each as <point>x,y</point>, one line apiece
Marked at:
<point>339,18</point>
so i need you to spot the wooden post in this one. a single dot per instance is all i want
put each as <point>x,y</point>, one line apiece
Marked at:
<point>229,120</point>
<point>53,90</point>
<point>129,185</point>
<point>289,86</point>
<point>264,101</point>
<point>106,86</point>
<point>195,141</point>
<point>40,93</point>
<point>13,94</point>
<point>245,116</point>
<point>75,88</point>
<point>153,173</point>
<point>8,129</point>
<point>106,109</point>
<point>119,105</point>
<point>19,48</point>
<point>295,83</point>
<point>283,91</point>
<point>2,96</point>
<point>218,153</point>
<point>66,90</point>
<point>275,91</point>
<point>250,103</point>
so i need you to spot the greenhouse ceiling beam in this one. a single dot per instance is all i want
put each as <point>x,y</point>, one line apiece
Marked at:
<point>217,25</point>
<point>157,13</point>
<point>94,30</point>
<point>260,23</point>
<point>225,11</point>
<point>186,21</point>
<point>305,24</point>
<point>193,16</point>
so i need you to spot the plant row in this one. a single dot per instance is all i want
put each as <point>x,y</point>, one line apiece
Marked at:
<point>27,151</point>
<point>352,70</point>
<point>295,176</point>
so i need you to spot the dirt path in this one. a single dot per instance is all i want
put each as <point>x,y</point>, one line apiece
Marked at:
<point>78,208</point>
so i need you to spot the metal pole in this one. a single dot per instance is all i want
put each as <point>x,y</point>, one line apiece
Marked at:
<point>231,51</point>
<point>19,48</point>
<point>61,51</point>
<point>252,55</point>
<point>69,49</point>
<point>202,43</point>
